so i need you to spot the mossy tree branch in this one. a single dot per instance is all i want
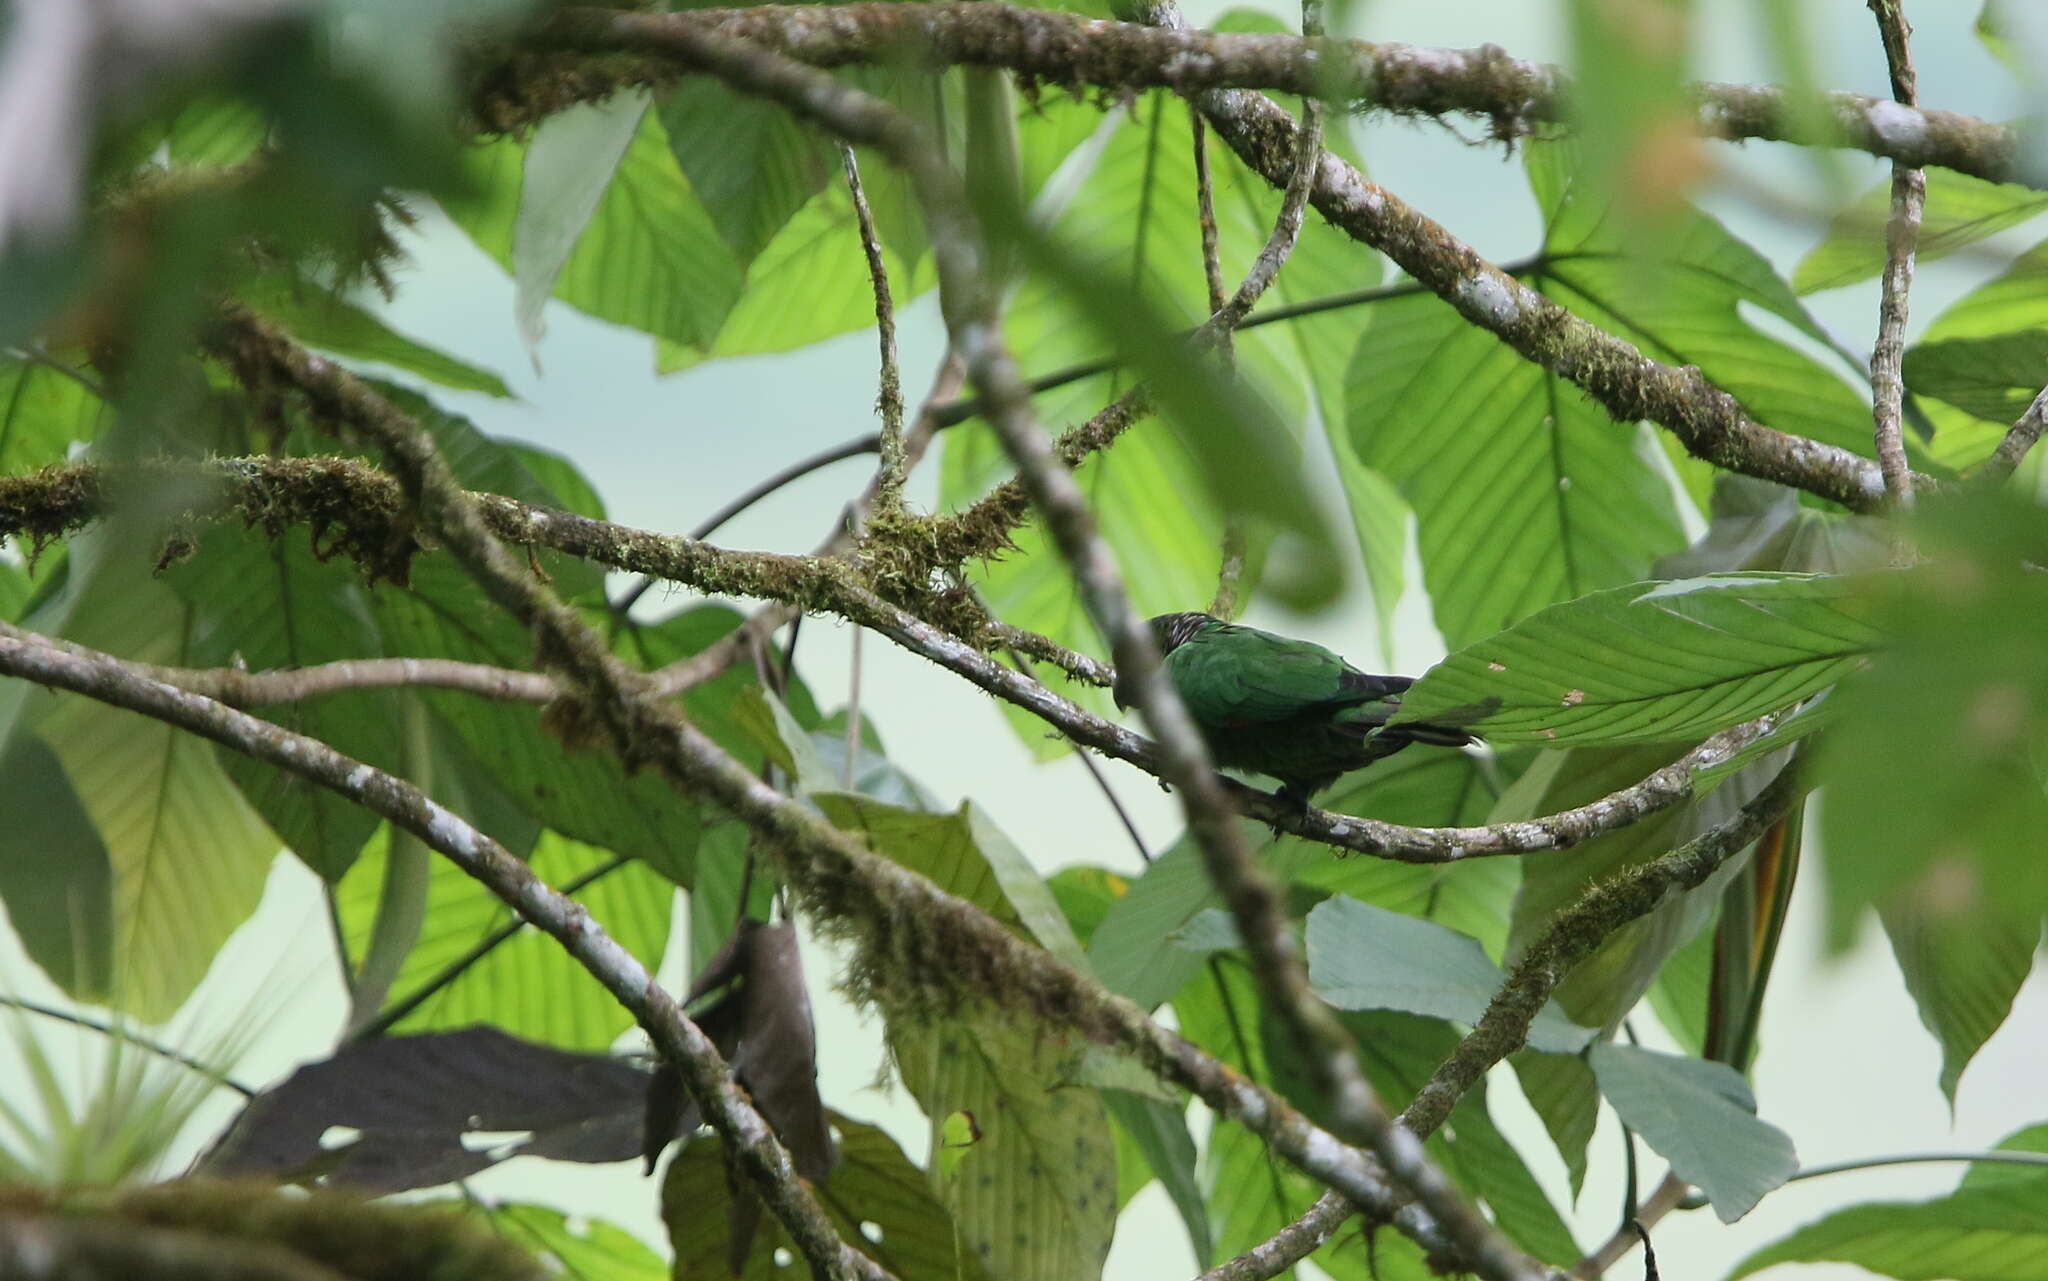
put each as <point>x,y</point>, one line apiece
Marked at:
<point>1514,96</point>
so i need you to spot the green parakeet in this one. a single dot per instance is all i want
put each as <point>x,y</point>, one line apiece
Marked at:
<point>1286,708</point>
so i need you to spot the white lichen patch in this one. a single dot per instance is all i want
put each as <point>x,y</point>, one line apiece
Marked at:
<point>1437,62</point>
<point>1898,126</point>
<point>449,833</point>
<point>1491,296</point>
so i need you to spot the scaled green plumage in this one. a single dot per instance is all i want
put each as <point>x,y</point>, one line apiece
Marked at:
<point>1286,708</point>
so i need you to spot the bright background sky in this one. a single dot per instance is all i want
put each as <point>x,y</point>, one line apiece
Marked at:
<point>1845,1068</point>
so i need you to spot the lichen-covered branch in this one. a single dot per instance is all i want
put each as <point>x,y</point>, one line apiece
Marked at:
<point>1289,1246</point>
<point>888,487</point>
<point>1629,385</point>
<point>1580,929</point>
<point>1514,96</point>
<point>2012,450</point>
<point>681,1041</point>
<point>1901,236</point>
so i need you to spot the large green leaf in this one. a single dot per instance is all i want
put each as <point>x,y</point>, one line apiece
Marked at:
<point>1131,226</point>
<point>273,604</point>
<point>1964,686</point>
<point>1561,1089</point>
<point>1362,957</point>
<point>1698,1115</point>
<point>1132,951</point>
<point>1652,662</point>
<point>1425,789</point>
<point>41,413</point>
<point>1400,1053</point>
<point>1988,1174</point>
<point>648,256</point>
<point>1158,1130</point>
<point>1985,354</point>
<point>578,1248</point>
<point>321,318</point>
<point>750,161</point>
<point>1253,1193</point>
<point>1960,211</point>
<point>55,876</point>
<point>585,795</point>
<point>1607,984</point>
<point>187,855</point>
<point>1478,440</point>
<point>1035,1197</point>
<point>1986,1233</point>
<point>807,284</point>
<point>912,1235</point>
<point>569,165</point>
<point>965,854</point>
<point>527,985</point>
<point>1963,969</point>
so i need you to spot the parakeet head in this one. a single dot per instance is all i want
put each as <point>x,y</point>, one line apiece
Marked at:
<point>1171,631</point>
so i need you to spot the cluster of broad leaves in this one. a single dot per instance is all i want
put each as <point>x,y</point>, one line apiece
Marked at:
<point>1591,643</point>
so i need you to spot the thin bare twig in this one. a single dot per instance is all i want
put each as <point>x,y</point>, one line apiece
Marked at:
<point>888,492</point>
<point>1661,1201</point>
<point>114,1031</point>
<point>1205,216</point>
<point>2012,450</point>
<point>1902,232</point>
<point>1289,1246</point>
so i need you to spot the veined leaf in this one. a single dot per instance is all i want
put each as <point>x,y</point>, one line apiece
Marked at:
<point>584,1249</point>
<point>1699,1116</point>
<point>320,318</point>
<point>1362,957</point>
<point>874,1183</point>
<point>651,258</point>
<point>648,257</point>
<point>965,854</point>
<point>1962,686</point>
<point>750,161</point>
<point>1477,439</point>
<point>1652,662</point>
<point>1993,1233</point>
<point>569,164</point>
<point>41,413</point>
<point>807,284</point>
<point>1035,1197</point>
<point>527,985</point>
<point>1963,969</point>
<point>1985,353</point>
<point>187,855</point>
<point>273,604</point>
<point>1960,211</point>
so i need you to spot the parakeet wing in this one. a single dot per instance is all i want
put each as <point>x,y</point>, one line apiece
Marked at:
<point>1229,675</point>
